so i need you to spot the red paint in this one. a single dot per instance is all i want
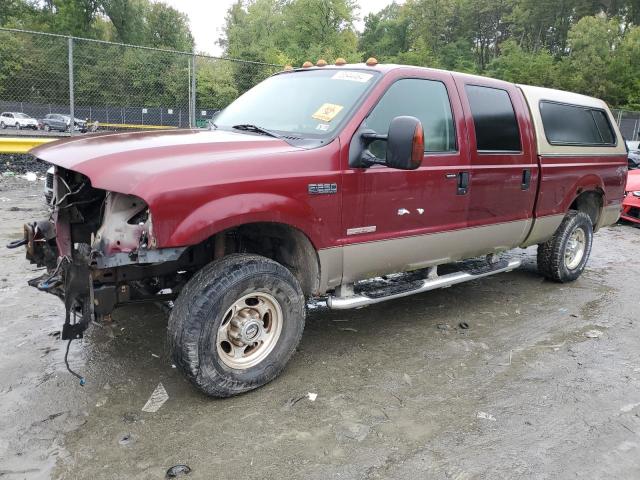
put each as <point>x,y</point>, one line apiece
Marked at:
<point>197,183</point>
<point>631,203</point>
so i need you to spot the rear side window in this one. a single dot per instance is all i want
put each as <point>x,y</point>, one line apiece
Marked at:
<point>426,100</point>
<point>494,119</point>
<point>575,125</point>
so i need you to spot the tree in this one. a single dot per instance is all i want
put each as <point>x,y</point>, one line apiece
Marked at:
<point>167,28</point>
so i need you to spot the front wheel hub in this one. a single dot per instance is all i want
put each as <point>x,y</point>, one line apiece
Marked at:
<point>249,330</point>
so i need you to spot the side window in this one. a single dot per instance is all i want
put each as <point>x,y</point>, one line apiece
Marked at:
<point>494,119</point>
<point>575,125</point>
<point>426,100</point>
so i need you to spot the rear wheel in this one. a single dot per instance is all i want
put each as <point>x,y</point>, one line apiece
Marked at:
<point>2,125</point>
<point>18,126</point>
<point>564,257</point>
<point>236,324</point>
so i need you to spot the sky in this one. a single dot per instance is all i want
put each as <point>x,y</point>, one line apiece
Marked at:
<point>207,19</point>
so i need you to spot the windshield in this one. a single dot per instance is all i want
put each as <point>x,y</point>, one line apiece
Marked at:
<point>22,115</point>
<point>309,104</point>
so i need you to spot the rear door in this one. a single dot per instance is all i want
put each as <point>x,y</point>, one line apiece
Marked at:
<point>389,215</point>
<point>504,170</point>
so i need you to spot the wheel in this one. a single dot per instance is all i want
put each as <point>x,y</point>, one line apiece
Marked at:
<point>47,128</point>
<point>236,323</point>
<point>2,125</point>
<point>18,125</point>
<point>564,256</point>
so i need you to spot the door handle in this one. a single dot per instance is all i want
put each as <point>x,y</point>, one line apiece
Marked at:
<point>526,179</point>
<point>463,183</point>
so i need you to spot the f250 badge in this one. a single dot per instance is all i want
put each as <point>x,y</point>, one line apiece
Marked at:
<point>322,188</point>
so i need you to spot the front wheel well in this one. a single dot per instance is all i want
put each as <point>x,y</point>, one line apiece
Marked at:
<point>280,242</point>
<point>591,203</point>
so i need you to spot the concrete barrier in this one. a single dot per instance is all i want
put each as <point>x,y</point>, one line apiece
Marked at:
<point>21,144</point>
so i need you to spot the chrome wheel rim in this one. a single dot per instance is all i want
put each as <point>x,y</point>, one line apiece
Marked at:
<point>576,246</point>
<point>249,331</point>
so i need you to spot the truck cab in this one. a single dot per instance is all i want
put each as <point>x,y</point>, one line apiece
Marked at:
<point>308,186</point>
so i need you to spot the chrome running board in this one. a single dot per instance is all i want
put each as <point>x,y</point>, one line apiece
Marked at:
<point>433,283</point>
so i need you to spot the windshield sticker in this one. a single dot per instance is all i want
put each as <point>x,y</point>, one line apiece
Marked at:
<point>323,127</point>
<point>327,112</point>
<point>353,76</point>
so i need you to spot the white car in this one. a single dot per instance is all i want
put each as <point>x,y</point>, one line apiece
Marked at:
<point>18,120</point>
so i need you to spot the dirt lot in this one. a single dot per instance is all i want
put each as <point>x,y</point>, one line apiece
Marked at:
<point>403,392</point>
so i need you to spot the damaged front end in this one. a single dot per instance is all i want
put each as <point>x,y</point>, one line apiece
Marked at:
<point>99,251</point>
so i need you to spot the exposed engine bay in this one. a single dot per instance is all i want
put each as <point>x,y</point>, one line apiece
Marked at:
<point>99,252</point>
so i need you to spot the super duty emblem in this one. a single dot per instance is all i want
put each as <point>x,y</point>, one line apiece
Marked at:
<point>322,188</point>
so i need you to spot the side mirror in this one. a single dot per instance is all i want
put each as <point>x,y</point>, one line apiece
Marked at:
<point>405,143</point>
<point>405,146</point>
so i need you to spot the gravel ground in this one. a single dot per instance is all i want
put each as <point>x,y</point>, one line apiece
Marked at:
<point>544,384</point>
<point>20,164</point>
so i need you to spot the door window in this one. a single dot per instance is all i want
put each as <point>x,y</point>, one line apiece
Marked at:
<point>428,101</point>
<point>494,119</point>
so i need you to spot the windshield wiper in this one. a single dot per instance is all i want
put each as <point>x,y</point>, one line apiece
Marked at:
<point>248,127</point>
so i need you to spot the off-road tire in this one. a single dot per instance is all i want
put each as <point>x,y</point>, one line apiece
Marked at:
<point>551,254</point>
<point>198,313</point>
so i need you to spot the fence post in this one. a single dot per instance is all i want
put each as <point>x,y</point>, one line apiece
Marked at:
<point>192,100</point>
<point>72,99</point>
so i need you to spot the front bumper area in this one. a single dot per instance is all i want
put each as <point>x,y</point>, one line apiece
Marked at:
<point>631,208</point>
<point>92,285</point>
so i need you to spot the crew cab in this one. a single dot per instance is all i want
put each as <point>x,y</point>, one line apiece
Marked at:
<point>350,183</point>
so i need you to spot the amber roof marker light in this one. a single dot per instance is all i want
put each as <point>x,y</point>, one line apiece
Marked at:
<point>340,61</point>
<point>371,62</point>
<point>307,64</point>
<point>321,63</point>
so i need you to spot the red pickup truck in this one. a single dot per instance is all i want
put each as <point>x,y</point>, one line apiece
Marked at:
<point>311,184</point>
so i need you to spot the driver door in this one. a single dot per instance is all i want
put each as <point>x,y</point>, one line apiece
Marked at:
<point>395,220</point>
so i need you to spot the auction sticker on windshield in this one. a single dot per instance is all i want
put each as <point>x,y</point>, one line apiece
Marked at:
<point>327,112</point>
<point>353,76</point>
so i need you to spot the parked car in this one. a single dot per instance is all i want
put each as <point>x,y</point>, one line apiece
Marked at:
<point>55,121</point>
<point>631,202</point>
<point>17,120</point>
<point>312,183</point>
<point>634,155</point>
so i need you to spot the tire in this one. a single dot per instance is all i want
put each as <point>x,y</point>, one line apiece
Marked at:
<point>2,125</point>
<point>18,127</point>
<point>557,260</point>
<point>47,128</point>
<point>205,310</point>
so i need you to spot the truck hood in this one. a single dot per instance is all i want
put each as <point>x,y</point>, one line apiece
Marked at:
<point>146,162</point>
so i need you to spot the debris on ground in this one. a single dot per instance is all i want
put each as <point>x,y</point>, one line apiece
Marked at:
<point>312,396</point>
<point>629,407</point>
<point>156,400</point>
<point>30,176</point>
<point>178,470</point>
<point>348,329</point>
<point>407,380</point>
<point>463,325</point>
<point>443,326</point>
<point>125,440</point>
<point>593,334</point>
<point>486,416</point>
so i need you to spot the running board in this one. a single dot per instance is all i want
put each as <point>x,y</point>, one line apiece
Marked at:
<point>425,285</point>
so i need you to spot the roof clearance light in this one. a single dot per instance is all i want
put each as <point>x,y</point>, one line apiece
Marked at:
<point>321,63</point>
<point>307,64</point>
<point>371,62</point>
<point>288,68</point>
<point>341,61</point>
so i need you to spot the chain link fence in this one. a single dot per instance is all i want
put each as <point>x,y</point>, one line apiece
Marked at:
<point>629,123</point>
<point>118,86</point>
